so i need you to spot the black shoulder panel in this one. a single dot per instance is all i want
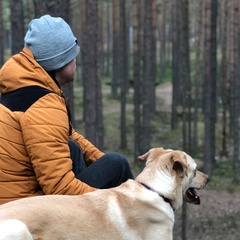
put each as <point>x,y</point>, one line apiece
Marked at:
<point>23,98</point>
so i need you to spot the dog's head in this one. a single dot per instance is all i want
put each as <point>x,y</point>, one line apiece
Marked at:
<point>173,174</point>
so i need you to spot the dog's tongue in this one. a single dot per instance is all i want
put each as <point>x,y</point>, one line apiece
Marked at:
<point>194,196</point>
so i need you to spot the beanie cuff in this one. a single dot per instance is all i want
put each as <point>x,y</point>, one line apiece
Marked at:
<point>60,60</point>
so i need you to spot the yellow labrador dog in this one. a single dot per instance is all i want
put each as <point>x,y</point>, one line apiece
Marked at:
<point>137,209</point>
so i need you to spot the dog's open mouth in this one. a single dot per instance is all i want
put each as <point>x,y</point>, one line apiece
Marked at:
<point>193,196</point>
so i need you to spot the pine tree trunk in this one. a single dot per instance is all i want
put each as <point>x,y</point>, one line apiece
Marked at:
<point>234,91</point>
<point>17,24</point>
<point>137,77</point>
<point>175,62</point>
<point>115,63</point>
<point>224,151</point>
<point>185,91</point>
<point>123,72</point>
<point>210,85</point>
<point>147,77</point>
<point>91,75</point>
<point>83,50</point>
<point>198,76</point>
<point>153,58</point>
<point>108,54</point>
<point>163,40</point>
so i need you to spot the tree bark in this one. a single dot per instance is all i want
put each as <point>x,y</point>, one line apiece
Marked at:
<point>108,31</point>
<point>115,69</point>
<point>52,7</point>
<point>153,58</point>
<point>175,63</point>
<point>198,76</point>
<point>234,91</point>
<point>185,76</point>
<point>91,77</point>
<point>147,77</point>
<point>185,92</point>
<point>224,151</point>
<point>123,71</point>
<point>17,25</point>
<point>163,40</point>
<point>137,77</point>
<point>210,85</point>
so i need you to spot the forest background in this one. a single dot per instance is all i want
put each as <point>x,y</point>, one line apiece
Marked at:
<point>138,55</point>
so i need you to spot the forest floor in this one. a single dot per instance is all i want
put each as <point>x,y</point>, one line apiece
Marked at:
<point>218,215</point>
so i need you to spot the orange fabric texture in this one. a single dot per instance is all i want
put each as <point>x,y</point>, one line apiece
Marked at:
<point>34,152</point>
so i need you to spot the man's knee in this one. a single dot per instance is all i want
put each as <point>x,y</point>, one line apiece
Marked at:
<point>116,158</point>
<point>119,163</point>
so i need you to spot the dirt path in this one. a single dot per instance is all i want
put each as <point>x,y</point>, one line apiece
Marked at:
<point>163,93</point>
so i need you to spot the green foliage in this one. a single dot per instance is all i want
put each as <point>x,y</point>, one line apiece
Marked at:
<point>162,135</point>
<point>78,98</point>
<point>222,178</point>
<point>6,15</point>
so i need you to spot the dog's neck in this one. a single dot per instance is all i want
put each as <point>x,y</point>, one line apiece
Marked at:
<point>164,198</point>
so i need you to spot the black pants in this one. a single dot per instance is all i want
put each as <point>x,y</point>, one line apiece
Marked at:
<point>110,170</point>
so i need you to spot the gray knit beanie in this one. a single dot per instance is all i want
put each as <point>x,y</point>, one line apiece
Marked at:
<point>51,41</point>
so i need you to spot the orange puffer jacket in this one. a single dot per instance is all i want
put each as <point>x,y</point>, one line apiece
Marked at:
<point>34,152</point>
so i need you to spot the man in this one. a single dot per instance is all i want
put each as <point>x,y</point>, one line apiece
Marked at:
<point>40,152</point>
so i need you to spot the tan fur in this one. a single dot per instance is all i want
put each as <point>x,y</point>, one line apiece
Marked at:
<point>130,211</point>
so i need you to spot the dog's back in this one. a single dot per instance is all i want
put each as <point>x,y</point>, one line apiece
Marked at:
<point>129,211</point>
<point>137,209</point>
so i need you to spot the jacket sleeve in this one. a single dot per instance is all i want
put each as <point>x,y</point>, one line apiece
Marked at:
<point>45,134</point>
<point>90,152</point>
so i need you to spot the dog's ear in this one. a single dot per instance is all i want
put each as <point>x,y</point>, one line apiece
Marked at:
<point>179,163</point>
<point>144,156</point>
<point>155,151</point>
